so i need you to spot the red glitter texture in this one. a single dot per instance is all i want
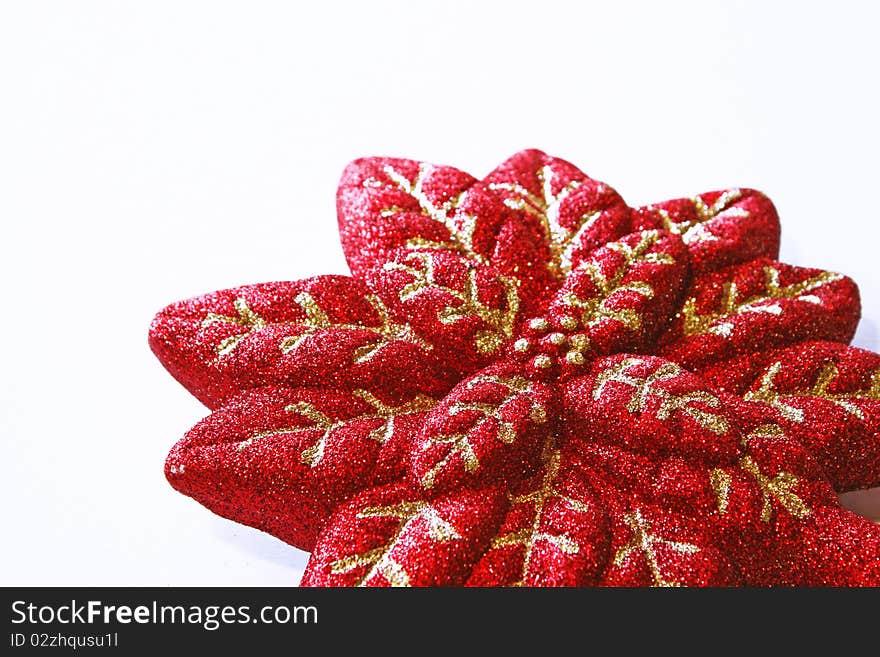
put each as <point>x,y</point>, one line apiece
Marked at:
<point>528,382</point>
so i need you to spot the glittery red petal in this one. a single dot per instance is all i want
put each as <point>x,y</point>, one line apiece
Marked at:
<point>282,459</point>
<point>775,450</point>
<point>650,406</point>
<point>671,482</point>
<point>826,394</point>
<point>465,311</point>
<point>386,203</point>
<point>623,293</point>
<point>719,228</point>
<point>326,330</point>
<point>652,547</point>
<point>756,306</point>
<point>391,536</point>
<point>488,428</point>
<point>832,547</point>
<point>769,502</point>
<point>558,214</point>
<point>555,531</point>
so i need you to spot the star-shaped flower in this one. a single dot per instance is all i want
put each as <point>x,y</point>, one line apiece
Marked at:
<point>527,382</point>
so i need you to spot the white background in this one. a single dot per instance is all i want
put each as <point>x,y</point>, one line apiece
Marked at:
<point>154,151</point>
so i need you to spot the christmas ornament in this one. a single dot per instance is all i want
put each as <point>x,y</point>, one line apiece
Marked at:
<point>527,382</point>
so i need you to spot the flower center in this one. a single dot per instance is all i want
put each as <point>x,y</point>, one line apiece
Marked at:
<point>552,348</point>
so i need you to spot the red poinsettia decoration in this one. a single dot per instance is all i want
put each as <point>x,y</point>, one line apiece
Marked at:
<point>527,382</point>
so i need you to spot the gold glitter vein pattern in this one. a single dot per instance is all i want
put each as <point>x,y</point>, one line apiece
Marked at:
<point>501,322</point>
<point>315,320</point>
<point>596,309</point>
<point>779,488</point>
<point>461,226</point>
<point>695,231</point>
<point>644,388</point>
<point>768,393</point>
<point>313,455</point>
<point>731,304</point>
<point>379,560</point>
<point>530,536</point>
<point>720,482</point>
<point>246,318</point>
<point>644,542</point>
<point>545,206</point>
<point>460,445</point>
